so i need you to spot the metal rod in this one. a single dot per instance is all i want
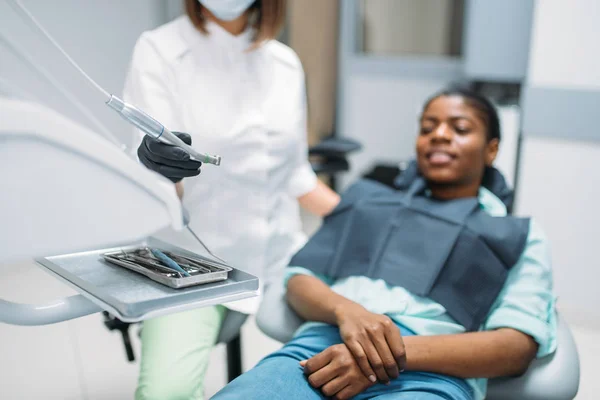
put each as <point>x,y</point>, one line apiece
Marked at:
<point>50,313</point>
<point>203,245</point>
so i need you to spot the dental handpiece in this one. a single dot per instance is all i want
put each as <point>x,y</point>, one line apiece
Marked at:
<point>156,130</point>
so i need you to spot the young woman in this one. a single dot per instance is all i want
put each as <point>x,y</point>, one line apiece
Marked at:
<point>218,75</point>
<point>420,292</point>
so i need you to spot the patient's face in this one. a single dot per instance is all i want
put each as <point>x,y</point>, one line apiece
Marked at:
<point>452,146</point>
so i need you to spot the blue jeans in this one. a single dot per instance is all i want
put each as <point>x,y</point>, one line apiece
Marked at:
<point>279,376</point>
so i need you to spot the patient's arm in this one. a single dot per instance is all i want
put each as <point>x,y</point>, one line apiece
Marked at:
<point>490,354</point>
<point>313,300</point>
<point>502,352</point>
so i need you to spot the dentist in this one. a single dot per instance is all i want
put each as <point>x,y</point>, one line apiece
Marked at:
<point>218,74</point>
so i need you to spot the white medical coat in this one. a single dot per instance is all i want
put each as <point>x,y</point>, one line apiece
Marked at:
<point>248,107</point>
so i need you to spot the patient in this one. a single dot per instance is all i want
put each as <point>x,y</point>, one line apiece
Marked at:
<point>421,291</point>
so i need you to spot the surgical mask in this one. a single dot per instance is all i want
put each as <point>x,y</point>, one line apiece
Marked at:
<point>227,10</point>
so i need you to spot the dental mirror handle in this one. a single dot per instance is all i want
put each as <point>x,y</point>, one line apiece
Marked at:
<point>156,130</point>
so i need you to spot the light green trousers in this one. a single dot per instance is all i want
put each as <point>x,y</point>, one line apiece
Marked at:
<point>175,354</point>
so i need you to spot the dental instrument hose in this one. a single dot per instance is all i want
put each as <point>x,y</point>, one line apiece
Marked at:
<point>130,113</point>
<point>28,59</point>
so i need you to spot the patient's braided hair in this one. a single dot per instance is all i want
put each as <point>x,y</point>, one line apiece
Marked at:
<point>484,106</point>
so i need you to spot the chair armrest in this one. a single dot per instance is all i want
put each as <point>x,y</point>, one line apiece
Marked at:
<point>331,155</point>
<point>555,377</point>
<point>335,147</point>
<point>275,317</point>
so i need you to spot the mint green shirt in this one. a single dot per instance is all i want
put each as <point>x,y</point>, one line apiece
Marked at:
<point>526,303</point>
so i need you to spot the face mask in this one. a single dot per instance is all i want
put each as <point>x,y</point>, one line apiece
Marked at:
<point>227,10</point>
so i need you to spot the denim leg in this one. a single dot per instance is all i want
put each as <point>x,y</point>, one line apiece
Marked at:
<point>411,396</point>
<point>420,386</point>
<point>279,376</point>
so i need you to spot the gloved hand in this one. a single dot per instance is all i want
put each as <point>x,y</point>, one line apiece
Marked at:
<point>169,161</point>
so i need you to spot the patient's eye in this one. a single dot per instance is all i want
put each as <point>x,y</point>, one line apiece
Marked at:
<point>462,126</point>
<point>426,129</point>
<point>427,126</point>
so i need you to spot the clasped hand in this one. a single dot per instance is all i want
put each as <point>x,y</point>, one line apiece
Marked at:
<point>372,350</point>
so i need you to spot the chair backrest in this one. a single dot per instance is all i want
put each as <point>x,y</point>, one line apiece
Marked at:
<point>506,161</point>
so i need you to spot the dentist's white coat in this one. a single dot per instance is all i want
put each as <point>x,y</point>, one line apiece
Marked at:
<point>248,107</point>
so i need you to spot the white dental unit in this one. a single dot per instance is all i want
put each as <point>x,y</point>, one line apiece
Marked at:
<point>64,214</point>
<point>72,200</point>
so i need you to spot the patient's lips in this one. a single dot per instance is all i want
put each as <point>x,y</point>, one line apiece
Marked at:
<point>440,158</point>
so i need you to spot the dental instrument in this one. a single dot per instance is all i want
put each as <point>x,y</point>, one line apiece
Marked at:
<point>187,226</point>
<point>168,261</point>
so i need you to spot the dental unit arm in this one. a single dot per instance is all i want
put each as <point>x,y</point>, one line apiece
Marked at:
<point>66,190</point>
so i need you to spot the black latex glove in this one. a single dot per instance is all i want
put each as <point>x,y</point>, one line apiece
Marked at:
<point>169,161</point>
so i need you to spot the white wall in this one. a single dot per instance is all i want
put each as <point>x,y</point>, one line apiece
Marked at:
<point>406,26</point>
<point>559,187</point>
<point>381,112</point>
<point>559,178</point>
<point>380,95</point>
<point>565,51</point>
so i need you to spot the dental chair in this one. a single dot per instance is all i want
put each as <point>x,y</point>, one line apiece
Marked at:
<point>555,377</point>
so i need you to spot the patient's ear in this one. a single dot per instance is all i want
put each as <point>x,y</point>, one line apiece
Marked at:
<point>491,151</point>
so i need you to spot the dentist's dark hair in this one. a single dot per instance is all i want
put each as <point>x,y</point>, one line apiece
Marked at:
<point>267,19</point>
<point>480,103</point>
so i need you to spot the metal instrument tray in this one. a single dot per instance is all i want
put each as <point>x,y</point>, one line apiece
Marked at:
<point>133,297</point>
<point>141,260</point>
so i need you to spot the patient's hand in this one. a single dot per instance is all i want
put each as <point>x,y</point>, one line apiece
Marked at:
<point>336,373</point>
<point>374,341</point>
